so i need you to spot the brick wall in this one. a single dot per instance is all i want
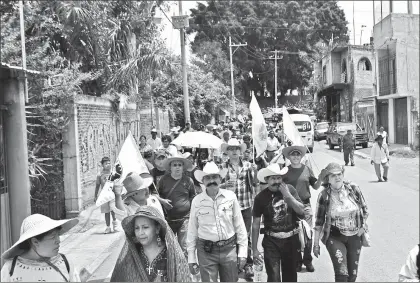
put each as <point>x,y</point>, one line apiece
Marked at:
<point>98,131</point>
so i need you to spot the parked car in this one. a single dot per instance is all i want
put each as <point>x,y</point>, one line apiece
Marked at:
<point>321,129</point>
<point>337,130</point>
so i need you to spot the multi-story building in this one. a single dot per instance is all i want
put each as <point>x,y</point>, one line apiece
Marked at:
<point>346,81</point>
<point>396,41</point>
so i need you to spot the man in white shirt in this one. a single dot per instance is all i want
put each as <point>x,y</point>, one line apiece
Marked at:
<point>379,155</point>
<point>155,142</point>
<point>272,146</point>
<point>215,228</point>
<point>384,135</point>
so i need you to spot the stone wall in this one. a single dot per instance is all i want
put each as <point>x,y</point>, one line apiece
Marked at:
<point>96,130</point>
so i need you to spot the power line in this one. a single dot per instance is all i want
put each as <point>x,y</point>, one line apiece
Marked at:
<point>279,28</point>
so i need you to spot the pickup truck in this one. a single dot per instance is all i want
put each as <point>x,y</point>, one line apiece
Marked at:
<point>337,130</point>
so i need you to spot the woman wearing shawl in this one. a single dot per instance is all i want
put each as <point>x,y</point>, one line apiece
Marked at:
<point>151,252</point>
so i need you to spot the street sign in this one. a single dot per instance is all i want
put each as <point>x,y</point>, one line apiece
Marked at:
<point>180,22</point>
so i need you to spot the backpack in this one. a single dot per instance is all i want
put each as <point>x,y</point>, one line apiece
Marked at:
<point>12,269</point>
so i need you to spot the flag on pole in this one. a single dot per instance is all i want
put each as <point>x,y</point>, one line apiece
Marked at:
<point>259,130</point>
<point>130,160</point>
<point>290,130</point>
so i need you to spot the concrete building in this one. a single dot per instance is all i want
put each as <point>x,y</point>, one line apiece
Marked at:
<point>396,40</point>
<point>346,77</point>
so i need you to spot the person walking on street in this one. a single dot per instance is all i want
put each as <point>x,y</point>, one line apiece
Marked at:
<point>410,271</point>
<point>106,207</point>
<point>35,256</point>
<point>348,144</point>
<point>341,215</point>
<point>301,178</point>
<point>155,142</point>
<point>379,155</point>
<point>241,180</point>
<point>273,145</point>
<point>280,205</point>
<point>150,252</point>
<point>215,228</point>
<point>384,134</point>
<point>177,191</point>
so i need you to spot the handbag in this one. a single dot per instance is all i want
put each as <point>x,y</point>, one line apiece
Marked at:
<point>366,240</point>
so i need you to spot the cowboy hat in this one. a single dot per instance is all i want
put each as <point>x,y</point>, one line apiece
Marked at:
<point>134,182</point>
<point>209,169</point>
<point>271,170</point>
<point>154,130</point>
<point>34,225</point>
<point>186,162</point>
<point>379,137</point>
<point>175,129</point>
<point>233,142</point>
<point>332,168</point>
<point>288,150</point>
<point>144,211</point>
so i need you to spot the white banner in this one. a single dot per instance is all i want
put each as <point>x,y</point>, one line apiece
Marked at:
<point>130,158</point>
<point>290,130</point>
<point>106,194</point>
<point>259,130</point>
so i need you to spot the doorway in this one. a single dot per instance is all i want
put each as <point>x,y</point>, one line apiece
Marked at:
<point>383,114</point>
<point>401,121</point>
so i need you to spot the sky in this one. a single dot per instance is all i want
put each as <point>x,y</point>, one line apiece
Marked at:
<point>363,16</point>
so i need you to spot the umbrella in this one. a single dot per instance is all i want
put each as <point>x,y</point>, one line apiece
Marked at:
<point>198,139</point>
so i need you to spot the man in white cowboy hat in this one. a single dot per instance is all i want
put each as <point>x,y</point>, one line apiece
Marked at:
<point>240,179</point>
<point>215,228</point>
<point>154,142</point>
<point>137,187</point>
<point>280,205</point>
<point>35,256</point>
<point>302,178</point>
<point>177,190</point>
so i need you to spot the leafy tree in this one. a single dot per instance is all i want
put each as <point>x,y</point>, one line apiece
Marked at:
<point>266,26</point>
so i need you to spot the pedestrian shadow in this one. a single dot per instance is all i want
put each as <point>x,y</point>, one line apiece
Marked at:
<point>375,182</point>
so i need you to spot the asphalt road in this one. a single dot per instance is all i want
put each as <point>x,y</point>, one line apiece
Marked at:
<point>393,220</point>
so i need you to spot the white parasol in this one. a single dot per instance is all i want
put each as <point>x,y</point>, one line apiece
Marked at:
<point>198,139</point>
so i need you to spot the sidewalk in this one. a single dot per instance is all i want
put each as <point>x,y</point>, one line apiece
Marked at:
<point>397,150</point>
<point>86,244</point>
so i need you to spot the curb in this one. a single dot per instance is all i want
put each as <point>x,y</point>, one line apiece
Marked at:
<point>87,272</point>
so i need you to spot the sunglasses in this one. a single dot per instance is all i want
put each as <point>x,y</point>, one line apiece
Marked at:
<point>177,165</point>
<point>233,147</point>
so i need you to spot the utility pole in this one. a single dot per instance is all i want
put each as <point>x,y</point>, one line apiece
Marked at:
<point>22,39</point>
<point>232,81</point>
<point>354,28</point>
<point>184,70</point>
<point>275,78</point>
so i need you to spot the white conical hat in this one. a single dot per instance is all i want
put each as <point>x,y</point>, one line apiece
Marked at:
<point>34,225</point>
<point>210,168</point>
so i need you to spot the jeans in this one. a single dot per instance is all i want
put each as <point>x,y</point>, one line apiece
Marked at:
<point>378,169</point>
<point>349,152</point>
<point>281,252</point>
<point>307,252</point>
<point>344,252</point>
<point>180,229</point>
<point>247,216</point>
<point>221,261</point>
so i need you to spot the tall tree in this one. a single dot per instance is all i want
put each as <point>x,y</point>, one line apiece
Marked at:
<point>293,26</point>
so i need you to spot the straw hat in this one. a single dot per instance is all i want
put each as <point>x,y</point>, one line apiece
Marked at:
<point>332,168</point>
<point>209,169</point>
<point>187,164</point>
<point>271,170</point>
<point>34,225</point>
<point>154,130</point>
<point>144,211</point>
<point>288,150</point>
<point>134,182</point>
<point>233,142</point>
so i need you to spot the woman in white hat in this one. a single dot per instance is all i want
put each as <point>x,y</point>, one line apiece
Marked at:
<point>35,256</point>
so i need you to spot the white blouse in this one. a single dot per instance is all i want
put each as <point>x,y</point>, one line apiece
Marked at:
<point>27,270</point>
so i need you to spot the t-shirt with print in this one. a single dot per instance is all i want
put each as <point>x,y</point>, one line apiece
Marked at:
<point>301,178</point>
<point>181,197</point>
<point>278,215</point>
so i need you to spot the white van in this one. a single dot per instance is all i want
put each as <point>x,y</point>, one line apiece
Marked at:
<point>306,129</point>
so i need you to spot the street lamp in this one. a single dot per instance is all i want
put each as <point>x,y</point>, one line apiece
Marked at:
<point>361,32</point>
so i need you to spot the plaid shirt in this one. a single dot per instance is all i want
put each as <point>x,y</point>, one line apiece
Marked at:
<point>323,209</point>
<point>245,182</point>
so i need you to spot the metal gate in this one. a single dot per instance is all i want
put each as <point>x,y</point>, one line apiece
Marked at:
<point>401,121</point>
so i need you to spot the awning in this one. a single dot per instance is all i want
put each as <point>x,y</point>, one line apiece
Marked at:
<point>332,89</point>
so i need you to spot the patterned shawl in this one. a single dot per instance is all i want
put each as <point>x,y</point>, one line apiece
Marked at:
<point>129,267</point>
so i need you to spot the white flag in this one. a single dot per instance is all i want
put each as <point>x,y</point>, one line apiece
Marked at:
<point>290,130</point>
<point>130,158</point>
<point>106,194</point>
<point>259,130</point>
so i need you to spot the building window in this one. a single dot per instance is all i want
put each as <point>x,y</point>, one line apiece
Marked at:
<point>343,71</point>
<point>324,75</point>
<point>387,75</point>
<point>364,65</point>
